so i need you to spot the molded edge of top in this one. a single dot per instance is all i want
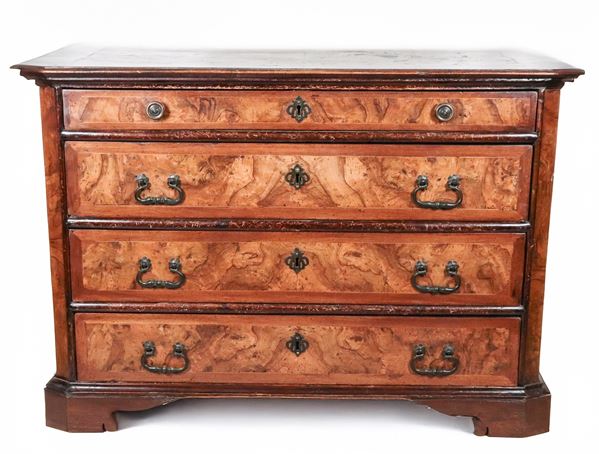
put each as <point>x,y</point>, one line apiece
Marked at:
<point>85,62</point>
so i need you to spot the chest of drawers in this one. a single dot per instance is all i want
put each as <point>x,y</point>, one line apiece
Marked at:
<point>367,225</point>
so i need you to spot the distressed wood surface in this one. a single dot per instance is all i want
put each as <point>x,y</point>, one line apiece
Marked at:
<point>299,225</point>
<point>505,411</point>
<point>342,350</point>
<point>313,136</point>
<point>56,208</point>
<point>312,61</point>
<point>90,414</point>
<point>331,110</point>
<point>250,267</point>
<point>502,417</point>
<point>346,181</point>
<point>538,244</point>
<point>292,308</point>
<point>494,321</point>
<point>109,67</point>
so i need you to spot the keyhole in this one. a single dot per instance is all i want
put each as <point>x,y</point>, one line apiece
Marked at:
<point>298,108</point>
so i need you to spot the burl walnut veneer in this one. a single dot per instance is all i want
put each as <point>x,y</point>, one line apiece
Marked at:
<point>361,225</point>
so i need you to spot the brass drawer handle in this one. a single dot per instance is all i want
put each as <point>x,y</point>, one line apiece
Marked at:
<point>453,184</point>
<point>297,261</point>
<point>299,109</point>
<point>173,182</point>
<point>444,112</point>
<point>174,266</point>
<point>297,177</point>
<point>155,110</point>
<point>297,344</point>
<point>448,355</point>
<point>451,269</point>
<point>179,351</point>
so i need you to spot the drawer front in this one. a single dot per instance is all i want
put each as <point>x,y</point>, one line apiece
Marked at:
<point>297,267</point>
<point>329,350</point>
<point>315,110</point>
<point>298,181</point>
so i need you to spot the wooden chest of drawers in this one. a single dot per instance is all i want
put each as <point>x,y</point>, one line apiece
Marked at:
<point>298,224</point>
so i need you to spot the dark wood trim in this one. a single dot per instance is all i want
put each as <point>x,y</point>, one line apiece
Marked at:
<point>301,225</point>
<point>275,74</point>
<point>199,135</point>
<point>290,309</point>
<point>84,62</point>
<point>502,417</point>
<point>73,77</point>
<point>191,390</point>
<point>382,84</point>
<point>91,407</point>
<point>75,414</point>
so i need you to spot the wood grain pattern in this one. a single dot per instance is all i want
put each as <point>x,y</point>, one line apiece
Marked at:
<point>292,308</point>
<point>106,67</point>
<point>290,136</point>
<point>497,411</point>
<point>344,268</point>
<point>56,208</point>
<point>299,225</point>
<point>331,110</point>
<point>342,350</point>
<point>504,63</point>
<point>505,417</point>
<point>89,414</point>
<point>537,248</point>
<point>346,181</point>
<point>240,302</point>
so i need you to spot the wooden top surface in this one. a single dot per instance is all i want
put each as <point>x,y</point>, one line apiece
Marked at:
<point>84,59</point>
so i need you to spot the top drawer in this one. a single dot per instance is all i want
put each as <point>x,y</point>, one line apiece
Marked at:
<point>299,110</point>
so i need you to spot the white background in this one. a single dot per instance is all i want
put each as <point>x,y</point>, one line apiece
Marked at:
<point>565,30</point>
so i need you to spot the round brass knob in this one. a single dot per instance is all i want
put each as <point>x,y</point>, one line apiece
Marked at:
<point>155,110</point>
<point>444,112</point>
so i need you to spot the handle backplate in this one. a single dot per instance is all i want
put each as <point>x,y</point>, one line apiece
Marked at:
<point>179,351</point>
<point>173,182</point>
<point>174,266</point>
<point>451,270</point>
<point>453,184</point>
<point>448,356</point>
